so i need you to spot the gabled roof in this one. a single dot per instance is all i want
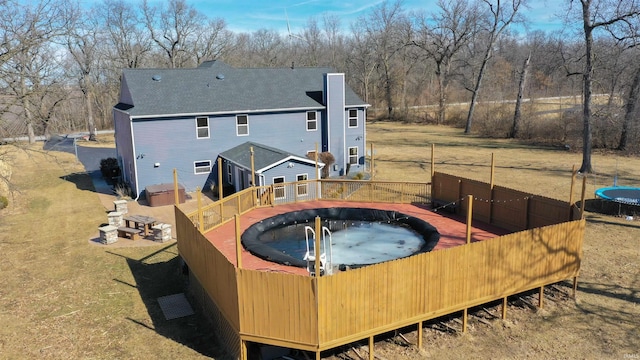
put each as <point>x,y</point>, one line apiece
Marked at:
<point>215,87</point>
<point>264,157</point>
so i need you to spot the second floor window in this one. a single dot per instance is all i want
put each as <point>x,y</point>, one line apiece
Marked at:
<point>242,125</point>
<point>353,118</point>
<point>312,121</point>
<point>202,127</point>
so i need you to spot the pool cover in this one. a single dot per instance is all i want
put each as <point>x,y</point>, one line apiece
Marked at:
<point>251,237</point>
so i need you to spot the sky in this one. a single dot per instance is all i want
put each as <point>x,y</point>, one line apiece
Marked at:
<point>251,15</point>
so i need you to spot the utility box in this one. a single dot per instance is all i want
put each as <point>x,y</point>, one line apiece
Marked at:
<point>163,194</point>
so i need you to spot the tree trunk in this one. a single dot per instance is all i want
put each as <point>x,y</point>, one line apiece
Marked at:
<point>587,136</point>
<point>630,110</point>
<point>90,122</point>
<point>476,89</point>
<point>515,130</point>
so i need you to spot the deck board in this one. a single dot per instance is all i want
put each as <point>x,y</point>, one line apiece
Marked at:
<point>452,229</point>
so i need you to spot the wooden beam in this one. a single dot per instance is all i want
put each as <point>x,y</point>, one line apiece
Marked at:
<point>371,348</point>
<point>584,190</point>
<point>238,242</point>
<point>200,215</point>
<point>176,197</point>
<point>419,335</point>
<point>469,217</point>
<point>504,308</point>
<point>464,320</point>
<point>493,171</point>
<point>433,161</point>
<point>316,249</point>
<point>541,297</point>
<point>573,181</point>
<point>220,193</point>
<point>253,168</point>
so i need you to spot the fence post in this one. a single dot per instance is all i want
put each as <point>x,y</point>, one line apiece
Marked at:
<point>220,186</point>
<point>176,197</point>
<point>200,214</point>
<point>433,161</point>
<point>584,189</point>
<point>238,242</point>
<point>573,180</point>
<point>469,217</point>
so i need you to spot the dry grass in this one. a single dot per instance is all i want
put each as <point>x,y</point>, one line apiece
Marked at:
<point>65,298</point>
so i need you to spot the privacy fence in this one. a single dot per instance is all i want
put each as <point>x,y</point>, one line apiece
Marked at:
<point>321,313</point>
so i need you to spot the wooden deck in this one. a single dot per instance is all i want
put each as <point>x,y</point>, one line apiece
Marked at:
<point>452,229</point>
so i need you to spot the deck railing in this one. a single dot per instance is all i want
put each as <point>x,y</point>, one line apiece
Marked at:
<point>219,212</point>
<point>317,314</point>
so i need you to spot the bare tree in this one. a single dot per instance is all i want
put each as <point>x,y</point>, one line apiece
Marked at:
<point>82,42</point>
<point>172,27</point>
<point>127,42</point>
<point>211,41</point>
<point>384,26</point>
<point>599,14</point>
<point>28,65</point>
<point>453,27</point>
<point>500,14</point>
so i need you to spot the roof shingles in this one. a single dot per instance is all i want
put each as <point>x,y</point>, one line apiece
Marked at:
<point>202,91</point>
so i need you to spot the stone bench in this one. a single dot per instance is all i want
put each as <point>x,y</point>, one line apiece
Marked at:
<point>126,232</point>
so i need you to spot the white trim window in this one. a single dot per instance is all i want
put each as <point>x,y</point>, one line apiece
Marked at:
<point>202,167</point>
<point>353,118</point>
<point>202,127</point>
<point>353,155</point>
<point>242,125</point>
<point>278,190</point>
<point>229,174</point>
<point>312,120</point>
<point>303,188</point>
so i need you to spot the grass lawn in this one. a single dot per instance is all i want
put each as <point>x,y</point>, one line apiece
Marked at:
<point>63,297</point>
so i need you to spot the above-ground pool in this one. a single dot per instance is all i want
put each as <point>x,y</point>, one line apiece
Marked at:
<point>621,194</point>
<point>359,236</point>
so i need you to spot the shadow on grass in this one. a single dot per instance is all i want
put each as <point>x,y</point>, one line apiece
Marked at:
<point>155,276</point>
<point>82,180</point>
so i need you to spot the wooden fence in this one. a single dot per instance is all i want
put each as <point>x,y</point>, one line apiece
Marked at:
<point>506,208</point>
<point>317,314</point>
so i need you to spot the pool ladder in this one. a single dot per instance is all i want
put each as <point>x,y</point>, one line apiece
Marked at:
<point>310,255</point>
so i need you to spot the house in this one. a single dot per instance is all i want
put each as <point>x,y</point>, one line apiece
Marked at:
<point>185,119</point>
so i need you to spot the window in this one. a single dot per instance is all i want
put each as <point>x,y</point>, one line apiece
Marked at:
<point>229,175</point>
<point>202,167</point>
<point>312,121</point>
<point>278,190</point>
<point>202,127</point>
<point>242,125</point>
<point>302,189</point>
<point>353,118</point>
<point>353,155</point>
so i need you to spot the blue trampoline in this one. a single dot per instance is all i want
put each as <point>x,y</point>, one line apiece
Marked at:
<point>620,194</point>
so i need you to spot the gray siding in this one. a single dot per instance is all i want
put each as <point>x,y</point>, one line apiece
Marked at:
<point>355,136</point>
<point>336,120</point>
<point>124,149</point>
<point>173,143</point>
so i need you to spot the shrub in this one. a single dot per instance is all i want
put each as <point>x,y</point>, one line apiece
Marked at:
<point>109,168</point>
<point>122,190</point>
<point>4,202</point>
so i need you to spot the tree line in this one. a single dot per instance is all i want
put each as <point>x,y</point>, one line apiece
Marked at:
<point>60,63</point>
